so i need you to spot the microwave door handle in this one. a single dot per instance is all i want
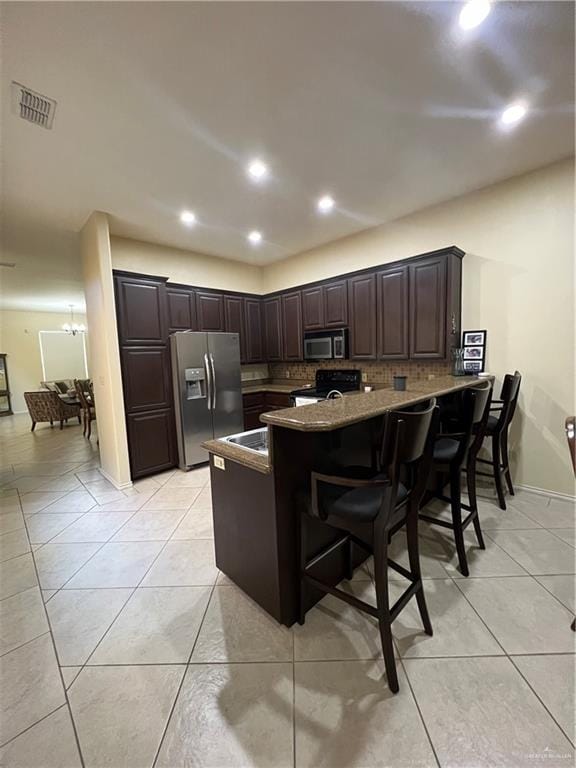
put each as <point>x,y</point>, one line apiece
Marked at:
<point>213,373</point>
<point>208,373</point>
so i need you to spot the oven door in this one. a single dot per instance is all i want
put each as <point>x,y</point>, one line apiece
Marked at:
<point>319,348</point>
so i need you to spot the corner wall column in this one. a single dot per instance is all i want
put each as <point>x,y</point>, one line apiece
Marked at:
<point>104,350</point>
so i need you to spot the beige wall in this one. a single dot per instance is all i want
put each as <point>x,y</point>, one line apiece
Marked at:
<point>185,266</point>
<point>104,350</point>
<point>518,282</point>
<point>19,340</point>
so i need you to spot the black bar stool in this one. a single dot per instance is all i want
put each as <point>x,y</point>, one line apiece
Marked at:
<point>365,511</point>
<point>451,451</point>
<point>497,429</point>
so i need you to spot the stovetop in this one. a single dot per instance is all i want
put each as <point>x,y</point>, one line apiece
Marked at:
<point>344,380</point>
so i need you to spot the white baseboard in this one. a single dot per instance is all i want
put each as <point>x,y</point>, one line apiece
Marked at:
<point>546,492</point>
<point>118,486</point>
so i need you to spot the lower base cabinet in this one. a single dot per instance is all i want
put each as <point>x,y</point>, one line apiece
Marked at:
<point>152,442</point>
<point>257,403</point>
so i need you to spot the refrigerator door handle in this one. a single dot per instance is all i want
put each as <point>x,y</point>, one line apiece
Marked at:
<point>209,386</point>
<point>213,378</point>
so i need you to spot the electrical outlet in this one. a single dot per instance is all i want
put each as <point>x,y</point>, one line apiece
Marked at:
<point>364,377</point>
<point>219,463</point>
<point>287,374</point>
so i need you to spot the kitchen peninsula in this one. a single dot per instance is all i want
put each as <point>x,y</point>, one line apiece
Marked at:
<point>255,496</point>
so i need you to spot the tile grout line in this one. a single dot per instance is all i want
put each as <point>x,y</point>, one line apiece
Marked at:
<point>66,699</point>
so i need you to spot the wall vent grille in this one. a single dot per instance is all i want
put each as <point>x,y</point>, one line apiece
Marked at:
<point>33,106</point>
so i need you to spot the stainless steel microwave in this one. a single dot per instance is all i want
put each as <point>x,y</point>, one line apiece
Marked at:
<point>326,345</point>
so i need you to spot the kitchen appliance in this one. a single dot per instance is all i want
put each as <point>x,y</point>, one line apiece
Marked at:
<point>326,345</point>
<point>207,391</point>
<point>328,381</point>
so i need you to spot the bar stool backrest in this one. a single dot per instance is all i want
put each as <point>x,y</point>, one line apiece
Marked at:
<point>408,439</point>
<point>509,396</point>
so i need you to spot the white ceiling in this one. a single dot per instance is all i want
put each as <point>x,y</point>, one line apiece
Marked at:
<point>161,105</point>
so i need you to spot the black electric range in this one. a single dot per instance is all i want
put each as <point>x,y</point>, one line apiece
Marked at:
<point>327,379</point>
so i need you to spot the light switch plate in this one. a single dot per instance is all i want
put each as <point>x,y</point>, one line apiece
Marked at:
<point>219,463</point>
<point>364,377</point>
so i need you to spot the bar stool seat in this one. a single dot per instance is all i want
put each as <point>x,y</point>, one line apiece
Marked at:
<point>445,449</point>
<point>362,504</point>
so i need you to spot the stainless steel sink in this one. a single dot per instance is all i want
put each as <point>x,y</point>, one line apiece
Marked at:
<point>254,440</point>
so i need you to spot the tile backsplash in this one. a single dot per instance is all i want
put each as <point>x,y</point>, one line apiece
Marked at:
<point>258,371</point>
<point>376,373</point>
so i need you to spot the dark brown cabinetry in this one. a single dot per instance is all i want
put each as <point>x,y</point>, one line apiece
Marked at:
<point>234,321</point>
<point>253,330</point>
<point>210,311</point>
<point>144,315</point>
<point>292,326</point>
<point>428,308</point>
<point>325,306</point>
<point>257,403</point>
<point>362,310</point>
<point>392,314</point>
<point>272,309</point>
<point>181,310</point>
<point>335,298</point>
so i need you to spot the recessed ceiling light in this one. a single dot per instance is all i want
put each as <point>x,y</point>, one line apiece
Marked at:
<point>257,170</point>
<point>474,13</point>
<point>187,217</point>
<point>325,204</point>
<point>513,114</point>
<point>255,237</point>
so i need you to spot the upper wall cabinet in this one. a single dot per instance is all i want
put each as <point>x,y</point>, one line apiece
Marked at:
<point>234,321</point>
<point>292,326</point>
<point>210,311</point>
<point>272,309</point>
<point>362,315</point>
<point>313,308</point>
<point>428,308</point>
<point>392,313</point>
<point>335,296</point>
<point>141,308</point>
<point>181,310</point>
<point>325,306</point>
<point>253,325</point>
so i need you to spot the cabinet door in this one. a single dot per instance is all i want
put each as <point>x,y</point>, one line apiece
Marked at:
<point>146,378</point>
<point>253,323</point>
<point>141,310</point>
<point>273,329</point>
<point>428,309</point>
<point>234,321</point>
<point>362,317</point>
<point>210,311</point>
<point>181,310</point>
<point>392,314</point>
<point>335,304</point>
<point>313,309</point>
<point>152,445</point>
<point>292,326</point>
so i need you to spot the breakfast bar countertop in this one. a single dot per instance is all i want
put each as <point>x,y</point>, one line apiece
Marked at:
<point>341,412</point>
<point>258,461</point>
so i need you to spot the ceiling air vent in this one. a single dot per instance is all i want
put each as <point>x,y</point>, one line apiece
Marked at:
<point>32,106</point>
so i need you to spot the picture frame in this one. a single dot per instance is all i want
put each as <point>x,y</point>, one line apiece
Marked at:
<point>474,351</point>
<point>474,339</point>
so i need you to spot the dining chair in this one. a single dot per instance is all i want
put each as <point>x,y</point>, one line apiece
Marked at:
<point>85,393</point>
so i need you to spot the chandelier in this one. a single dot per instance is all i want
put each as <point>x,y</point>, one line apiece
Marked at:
<point>73,327</point>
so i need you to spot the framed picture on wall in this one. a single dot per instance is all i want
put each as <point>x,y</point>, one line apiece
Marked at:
<point>474,351</point>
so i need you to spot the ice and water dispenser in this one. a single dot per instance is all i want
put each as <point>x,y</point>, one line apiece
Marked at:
<point>195,383</point>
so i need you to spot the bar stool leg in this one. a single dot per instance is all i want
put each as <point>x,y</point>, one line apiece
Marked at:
<point>383,605</point>
<point>414,559</point>
<point>349,560</point>
<point>496,464</point>
<point>456,505</point>
<point>506,461</point>
<point>471,484</point>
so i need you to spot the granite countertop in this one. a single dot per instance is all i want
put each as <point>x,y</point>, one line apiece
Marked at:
<point>258,461</point>
<point>284,386</point>
<point>341,412</point>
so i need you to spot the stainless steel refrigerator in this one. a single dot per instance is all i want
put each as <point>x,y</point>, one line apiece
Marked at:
<point>207,391</point>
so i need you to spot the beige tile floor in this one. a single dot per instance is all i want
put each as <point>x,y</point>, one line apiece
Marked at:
<point>121,644</point>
